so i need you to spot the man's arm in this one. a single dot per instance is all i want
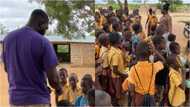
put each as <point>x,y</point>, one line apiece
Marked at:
<point>3,57</point>
<point>53,80</point>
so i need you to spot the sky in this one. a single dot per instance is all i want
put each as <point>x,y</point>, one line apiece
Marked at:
<point>131,1</point>
<point>15,13</point>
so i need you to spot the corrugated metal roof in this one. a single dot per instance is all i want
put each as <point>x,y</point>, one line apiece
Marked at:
<point>61,39</point>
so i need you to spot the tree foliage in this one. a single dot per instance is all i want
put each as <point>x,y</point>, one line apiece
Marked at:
<point>174,4</point>
<point>3,29</point>
<point>172,1</point>
<point>74,17</point>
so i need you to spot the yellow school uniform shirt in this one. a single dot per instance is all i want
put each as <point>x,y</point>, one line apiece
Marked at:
<point>178,96</point>
<point>115,58</point>
<point>64,95</point>
<point>104,56</point>
<point>72,95</point>
<point>97,50</point>
<point>144,70</point>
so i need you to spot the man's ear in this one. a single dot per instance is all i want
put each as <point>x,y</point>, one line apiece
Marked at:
<point>40,26</point>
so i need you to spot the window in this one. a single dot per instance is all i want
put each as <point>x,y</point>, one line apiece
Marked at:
<point>63,52</point>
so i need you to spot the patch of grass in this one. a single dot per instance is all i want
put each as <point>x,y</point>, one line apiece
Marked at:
<point>173,8</point>
<point>177,7</point>
<point>116,6</point>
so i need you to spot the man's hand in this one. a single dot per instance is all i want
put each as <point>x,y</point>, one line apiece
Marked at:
<point>53,79</point>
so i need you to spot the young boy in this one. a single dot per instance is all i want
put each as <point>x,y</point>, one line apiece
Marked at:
<point>175,52</point>
<point>102,74</point>
<point>135,39</point>
<point>142,75</point>
<point>175,77</point>
<point>162,75</point>
<point>117,27</point>
<point>116,64</point>
<point>138,31</point>
<point>152,22</point>
<point>86,85</point>
<point>63,79</point>
<point>171,38</point>
<point>74,91</point>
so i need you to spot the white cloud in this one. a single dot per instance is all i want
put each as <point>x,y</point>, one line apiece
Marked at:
<point>15,13</point>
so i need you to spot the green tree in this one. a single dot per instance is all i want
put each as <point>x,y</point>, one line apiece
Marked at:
<point>74,17</point>
<point>172,1</point>
<point>111,2</point>
<point>174,4</point>
<point>69,13</point>
<point>3,29</point>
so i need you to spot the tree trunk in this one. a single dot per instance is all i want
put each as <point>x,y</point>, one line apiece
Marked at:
<point>120,4</point>
<point>126,7</point>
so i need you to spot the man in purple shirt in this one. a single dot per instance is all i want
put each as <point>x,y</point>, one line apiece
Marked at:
<point>29,60</point>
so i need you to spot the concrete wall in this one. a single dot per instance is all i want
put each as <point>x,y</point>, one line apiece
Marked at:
<point>82,54</point>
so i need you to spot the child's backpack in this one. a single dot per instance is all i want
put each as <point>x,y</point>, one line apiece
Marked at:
<point>147,98</point>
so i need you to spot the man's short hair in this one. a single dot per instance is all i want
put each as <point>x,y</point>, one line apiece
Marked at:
<point>38,14</point>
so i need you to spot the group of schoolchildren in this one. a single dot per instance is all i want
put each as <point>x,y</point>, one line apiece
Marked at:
<point>135,68</point>
<point>73,95</point>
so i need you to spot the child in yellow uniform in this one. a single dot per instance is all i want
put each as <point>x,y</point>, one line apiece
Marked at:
<point>103,77</point>
<point>97,44</point>
<point>63,76</point>
<point>73,91</point>
<point>176,93</point>
<point>116,63</point>
<point>141,78</point>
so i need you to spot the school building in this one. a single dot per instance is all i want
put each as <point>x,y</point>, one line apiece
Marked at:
<point>77,52</point>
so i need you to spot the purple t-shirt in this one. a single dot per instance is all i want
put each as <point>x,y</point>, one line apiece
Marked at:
<point>27,56</point>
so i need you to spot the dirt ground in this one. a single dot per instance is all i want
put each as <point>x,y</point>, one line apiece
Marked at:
<point>177,29</point>
<point>80,71</point>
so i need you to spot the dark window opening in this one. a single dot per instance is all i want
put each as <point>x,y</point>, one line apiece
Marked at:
<point>63,52</point>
